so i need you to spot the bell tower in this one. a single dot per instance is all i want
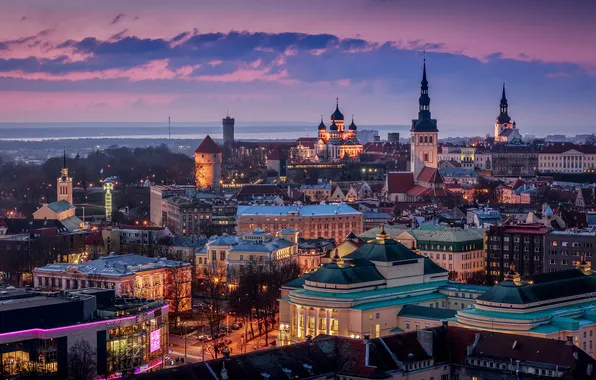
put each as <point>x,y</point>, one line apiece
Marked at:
<point>424,132</point>
<point>64,184</point>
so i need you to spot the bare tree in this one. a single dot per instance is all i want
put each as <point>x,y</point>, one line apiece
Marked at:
<point>259,290</point>
<point>177,290</point>
<point>82,361</point>
<point>215,291</point>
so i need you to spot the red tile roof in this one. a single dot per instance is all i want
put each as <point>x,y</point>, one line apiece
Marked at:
<point>430,175</point>
<point>400,182</point>
<point>208,146</point>
<point>422,191</point>
<point>557,148</point>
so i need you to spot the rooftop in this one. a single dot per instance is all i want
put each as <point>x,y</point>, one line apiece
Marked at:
<point>114,265</point>
<point>424,312</point>
<point>309,210</point>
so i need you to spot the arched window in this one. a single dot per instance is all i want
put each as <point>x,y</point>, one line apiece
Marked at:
<point>430,139</point>
<point>421,140</point>
<point>425,157</point>
<point>425,139</point>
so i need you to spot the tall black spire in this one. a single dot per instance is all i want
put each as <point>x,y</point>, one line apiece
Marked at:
<point>504,104</point>
<point>503,117</point>
<point>424,100</point>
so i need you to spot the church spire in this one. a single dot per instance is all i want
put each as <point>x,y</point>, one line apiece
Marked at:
<point>424,100</point>
<point>64,158</point>
<point>504,104</point>
<point>503,117</point>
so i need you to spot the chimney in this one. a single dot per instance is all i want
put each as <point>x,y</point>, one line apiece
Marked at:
<point>368,343</point>
<point>425,338</point>
<point>569,340</point>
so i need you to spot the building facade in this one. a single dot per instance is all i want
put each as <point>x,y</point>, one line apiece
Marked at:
<point>127,275</point>
<point>39,329</point>
<point>567,158</point>
<point>312,221</point>
<point>461,252</point>
<point>565,249</point>
<point>363,292</point>
<point>519,245</point>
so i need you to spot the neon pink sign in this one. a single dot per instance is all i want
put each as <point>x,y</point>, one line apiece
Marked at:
<point>154,341</point>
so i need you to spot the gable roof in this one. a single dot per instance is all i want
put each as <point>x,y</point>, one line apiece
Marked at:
<point>430,175</point>
<point>399,182</point>
<point>60,206</point>
<point>208,146</point>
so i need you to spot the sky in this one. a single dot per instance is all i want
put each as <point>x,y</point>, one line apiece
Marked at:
<point>274,61</point>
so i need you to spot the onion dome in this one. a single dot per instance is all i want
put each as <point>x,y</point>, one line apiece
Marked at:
<point>352,126</point>
<point>322,126</point>
<point>333,126</point>
<point>337,115</point>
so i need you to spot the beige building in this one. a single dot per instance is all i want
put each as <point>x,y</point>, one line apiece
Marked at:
<point>64,184</point>
<point>232,254</point>
<point>364,292</point>
<point>328,221</point>
<point>461,252</point>
<point>128,275</point>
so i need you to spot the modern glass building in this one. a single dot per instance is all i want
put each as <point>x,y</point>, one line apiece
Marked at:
<point>39,329</point>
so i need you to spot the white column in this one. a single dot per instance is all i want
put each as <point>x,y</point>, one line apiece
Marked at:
<point>297,311</point>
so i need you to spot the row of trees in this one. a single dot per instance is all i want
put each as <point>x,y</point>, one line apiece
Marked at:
<point>254,297</point>
<point>34,184</point>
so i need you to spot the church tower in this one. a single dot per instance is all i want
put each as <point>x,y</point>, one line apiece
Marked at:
<point>503,125</point>
<point>424,132</point>
<point>208,160</point>
<point>64,184</point>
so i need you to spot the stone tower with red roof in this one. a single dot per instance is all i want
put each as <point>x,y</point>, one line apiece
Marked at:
<point>208,160</point>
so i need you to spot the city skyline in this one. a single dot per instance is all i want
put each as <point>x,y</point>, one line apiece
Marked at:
<point>265,61</point>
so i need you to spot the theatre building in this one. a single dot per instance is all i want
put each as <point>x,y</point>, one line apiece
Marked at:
<point>39,329</point>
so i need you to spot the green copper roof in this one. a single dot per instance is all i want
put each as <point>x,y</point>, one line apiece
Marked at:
<point>386,250</point>
<point>448,236</point>
<point>543,287</point>
<point>345,275</point>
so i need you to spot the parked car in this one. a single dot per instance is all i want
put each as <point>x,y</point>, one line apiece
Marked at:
<point>205,338</point>
<point>236,326</point>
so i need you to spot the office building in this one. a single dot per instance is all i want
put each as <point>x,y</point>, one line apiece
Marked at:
<point>39,329</point>
<point>312,221</point>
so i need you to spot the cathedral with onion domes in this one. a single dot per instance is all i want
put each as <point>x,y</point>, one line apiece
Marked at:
<point>336,143</point>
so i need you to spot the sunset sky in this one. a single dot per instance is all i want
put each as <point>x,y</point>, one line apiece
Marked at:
<point>272,60</point>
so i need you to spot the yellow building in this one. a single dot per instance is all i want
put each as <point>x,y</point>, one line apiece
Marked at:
<point>364,292</point>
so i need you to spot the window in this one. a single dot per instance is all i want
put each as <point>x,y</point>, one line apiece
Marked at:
<point>378,315</point>
<point>407,325</point>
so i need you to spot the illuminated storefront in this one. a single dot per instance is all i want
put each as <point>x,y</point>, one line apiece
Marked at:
<point>37,330</point>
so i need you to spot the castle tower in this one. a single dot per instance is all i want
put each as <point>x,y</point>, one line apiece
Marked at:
<point>424,132</point>
<point>228,136</point>
<point>208,160</point>
<point>64,184</point>
<point>503,122</point>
